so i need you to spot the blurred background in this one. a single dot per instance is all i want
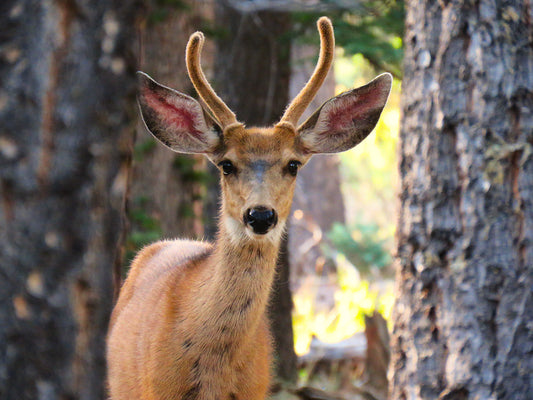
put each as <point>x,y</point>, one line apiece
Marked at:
<point>83,187</point>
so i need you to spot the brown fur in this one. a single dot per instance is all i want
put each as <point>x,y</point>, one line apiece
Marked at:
<point>225,116</point>
<point>190,320</point>
<point>181,329</point>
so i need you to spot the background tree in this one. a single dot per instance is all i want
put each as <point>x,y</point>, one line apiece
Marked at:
<point>462,321</point>
<point>66,106</point>
<point>167,188</point>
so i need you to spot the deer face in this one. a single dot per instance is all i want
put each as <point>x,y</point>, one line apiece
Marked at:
<point>258,166</point>
<point>258,172</point>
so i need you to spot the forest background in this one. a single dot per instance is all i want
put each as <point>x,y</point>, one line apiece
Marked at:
<point>83,187</point>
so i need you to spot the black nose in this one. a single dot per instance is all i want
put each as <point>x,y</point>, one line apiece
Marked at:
<point>260,219</point>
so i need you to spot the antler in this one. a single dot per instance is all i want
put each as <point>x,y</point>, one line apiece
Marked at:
<point>220,110</point>
<point>306,95</point>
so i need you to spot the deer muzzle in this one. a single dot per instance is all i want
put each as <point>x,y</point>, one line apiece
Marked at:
<point>260,219</point>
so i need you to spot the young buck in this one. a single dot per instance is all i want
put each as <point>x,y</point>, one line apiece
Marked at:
<point>190,321</point>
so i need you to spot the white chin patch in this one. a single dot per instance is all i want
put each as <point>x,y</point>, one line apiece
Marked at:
<point>239,233</point>
<point>236,231</point>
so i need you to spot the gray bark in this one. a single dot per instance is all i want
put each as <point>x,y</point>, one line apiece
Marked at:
<point>66,106</point>
<point>462,321</point>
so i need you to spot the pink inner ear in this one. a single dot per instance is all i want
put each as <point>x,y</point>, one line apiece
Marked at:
<point>179,119</point>
<point>351,108</point>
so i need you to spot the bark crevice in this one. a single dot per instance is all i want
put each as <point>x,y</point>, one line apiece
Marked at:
<point>466,215</point>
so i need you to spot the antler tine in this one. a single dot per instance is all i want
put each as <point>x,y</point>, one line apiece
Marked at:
<point>219,109</point>
<point>306,95</point>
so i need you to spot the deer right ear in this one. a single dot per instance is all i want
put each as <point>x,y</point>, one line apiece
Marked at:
<point>175,119</point>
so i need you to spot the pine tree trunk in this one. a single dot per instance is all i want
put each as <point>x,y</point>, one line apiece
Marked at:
<point>66,110</point>
<point>462,322</point>
<point>252,73</point>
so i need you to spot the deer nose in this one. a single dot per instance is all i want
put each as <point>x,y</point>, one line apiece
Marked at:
<point>260,219</point>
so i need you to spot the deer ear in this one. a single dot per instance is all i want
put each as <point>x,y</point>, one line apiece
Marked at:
<point>175,119</point>
<point>345,120</point>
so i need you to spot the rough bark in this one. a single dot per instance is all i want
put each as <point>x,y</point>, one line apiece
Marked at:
<point>462,321</point>
<point>377,355</point>
<point>66,106</point>
<point>252,74</point>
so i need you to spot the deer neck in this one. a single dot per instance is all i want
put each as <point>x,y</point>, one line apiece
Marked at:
<point>237,290</point>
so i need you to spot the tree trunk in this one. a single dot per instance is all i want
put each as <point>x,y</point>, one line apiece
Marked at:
<point>167,187</point>
<point>462,321</point>
<point>252,73</point>
<point>66,111</point>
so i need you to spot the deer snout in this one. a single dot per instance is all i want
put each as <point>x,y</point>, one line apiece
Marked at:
<point>261,219</point>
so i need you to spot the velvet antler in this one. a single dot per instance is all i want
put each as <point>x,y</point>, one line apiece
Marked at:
<point>219,109</point>
<point>306,95</point>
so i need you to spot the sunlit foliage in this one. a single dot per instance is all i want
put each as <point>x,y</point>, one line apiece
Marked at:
<point>372,28</point>
<point>369,171</point>
<point>354,298</point>
<point>362,248</point>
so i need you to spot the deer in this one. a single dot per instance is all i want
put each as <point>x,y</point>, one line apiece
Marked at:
<point>190,321</point>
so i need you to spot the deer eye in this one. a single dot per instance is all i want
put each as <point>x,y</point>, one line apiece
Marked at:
<point>227,167</point>
<point>292,167</point>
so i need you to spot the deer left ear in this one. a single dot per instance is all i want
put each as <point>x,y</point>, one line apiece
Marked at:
<point>345,120</point>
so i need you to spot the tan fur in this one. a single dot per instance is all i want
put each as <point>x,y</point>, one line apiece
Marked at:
<point>187,303</point>
<point>190,322</point>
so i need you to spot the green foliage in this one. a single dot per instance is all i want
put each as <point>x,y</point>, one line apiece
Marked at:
<point>141,149</point>
<point>183,163</point>
<point>377,35</point>
<point>144,221</point>
<point>186,167</point>
<point>369,171</point>
<point>213,30</point>
<point>145,229</point>
<point>374,29</point>
<point>360,245</point>
<point>186,211</point>
<point>161,9</point>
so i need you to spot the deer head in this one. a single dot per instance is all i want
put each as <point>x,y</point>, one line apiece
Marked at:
<point>258,166</point>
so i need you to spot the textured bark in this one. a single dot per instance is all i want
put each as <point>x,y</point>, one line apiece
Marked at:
<point>165,185</point>
<point>377,355</point>
<point>462,322</point>
<point>252,74</point>
<point>66,106</point>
